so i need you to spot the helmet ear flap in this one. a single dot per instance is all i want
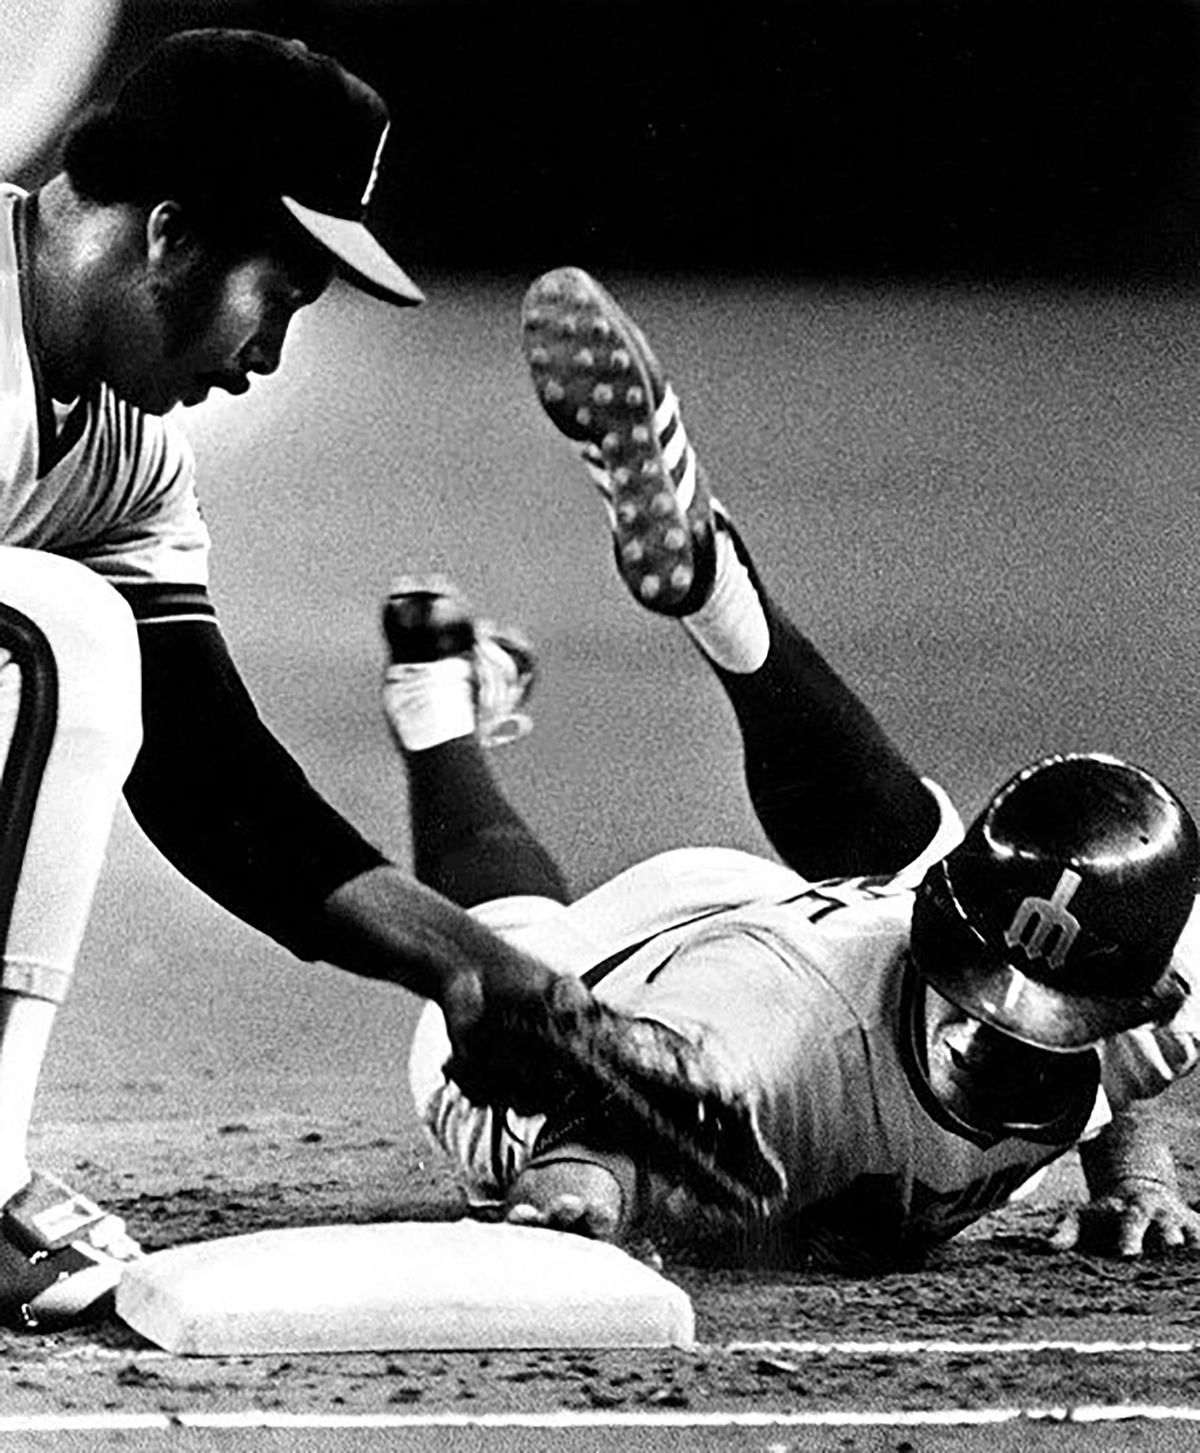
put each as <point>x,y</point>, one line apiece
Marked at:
<point>947,950</point>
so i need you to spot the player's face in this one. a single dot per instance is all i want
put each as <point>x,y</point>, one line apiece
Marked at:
<point>988,1079</point>
<point>200,326</point>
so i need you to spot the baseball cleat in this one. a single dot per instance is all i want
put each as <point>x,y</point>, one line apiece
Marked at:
<point>61,1256</point>
<point>438,649</point>
<point>602,387</point>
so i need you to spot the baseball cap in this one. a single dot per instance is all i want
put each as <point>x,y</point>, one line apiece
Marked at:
<point>256,117</point>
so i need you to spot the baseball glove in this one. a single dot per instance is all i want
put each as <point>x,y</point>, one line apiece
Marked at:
<point>659,1094</point>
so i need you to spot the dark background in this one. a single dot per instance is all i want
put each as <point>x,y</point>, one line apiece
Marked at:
<point>864,137</point>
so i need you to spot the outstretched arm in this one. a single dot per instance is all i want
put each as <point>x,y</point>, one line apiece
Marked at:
<point>1136,1204</point>
<point>385,925</point>
<point>225,801</point>
<point>227,804</point>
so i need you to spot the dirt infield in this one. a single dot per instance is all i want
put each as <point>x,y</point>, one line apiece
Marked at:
<point>187,1180</point>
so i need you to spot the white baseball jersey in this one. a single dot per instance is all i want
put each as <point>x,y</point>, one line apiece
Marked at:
<point>94,479</point>
<point>808,1003</point>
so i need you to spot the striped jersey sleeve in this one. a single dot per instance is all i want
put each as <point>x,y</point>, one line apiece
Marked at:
<point>155,604</point>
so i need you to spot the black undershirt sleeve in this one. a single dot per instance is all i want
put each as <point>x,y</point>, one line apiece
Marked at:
<point>221,797</point>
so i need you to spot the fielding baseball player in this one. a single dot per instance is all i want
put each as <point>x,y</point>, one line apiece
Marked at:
<point>191,221</point>
<point>922,1019</point>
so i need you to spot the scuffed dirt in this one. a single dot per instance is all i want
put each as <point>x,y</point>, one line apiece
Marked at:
<point>182,1181</point>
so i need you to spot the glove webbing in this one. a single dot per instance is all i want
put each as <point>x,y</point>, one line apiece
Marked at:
<point>652,1090</point>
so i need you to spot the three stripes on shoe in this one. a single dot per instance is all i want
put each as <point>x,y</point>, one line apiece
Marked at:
<point>679,460</point>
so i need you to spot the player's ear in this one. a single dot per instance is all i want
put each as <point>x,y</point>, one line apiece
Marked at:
<point>168,231</point>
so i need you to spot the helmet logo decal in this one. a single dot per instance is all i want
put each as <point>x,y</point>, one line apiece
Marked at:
<point>1043,927</point>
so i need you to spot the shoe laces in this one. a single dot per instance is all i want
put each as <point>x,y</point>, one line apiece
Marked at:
<point>503,681</point>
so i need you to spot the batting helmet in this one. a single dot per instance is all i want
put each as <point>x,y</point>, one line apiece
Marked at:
<point>1056,918</point>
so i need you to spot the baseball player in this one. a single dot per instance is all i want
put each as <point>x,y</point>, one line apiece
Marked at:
<point>922,1019</point>
<point>191,220</point>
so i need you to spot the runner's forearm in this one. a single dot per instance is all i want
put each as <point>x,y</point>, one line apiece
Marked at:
<point>1132,1147</point>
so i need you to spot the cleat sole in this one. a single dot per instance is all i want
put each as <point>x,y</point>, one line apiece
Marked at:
<point>604,397</point>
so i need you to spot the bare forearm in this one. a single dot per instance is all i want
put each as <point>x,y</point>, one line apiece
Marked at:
<point>385,925</point>
<point>495,999</point>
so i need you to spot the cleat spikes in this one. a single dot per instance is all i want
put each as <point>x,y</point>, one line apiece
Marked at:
<point>602,388</point>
